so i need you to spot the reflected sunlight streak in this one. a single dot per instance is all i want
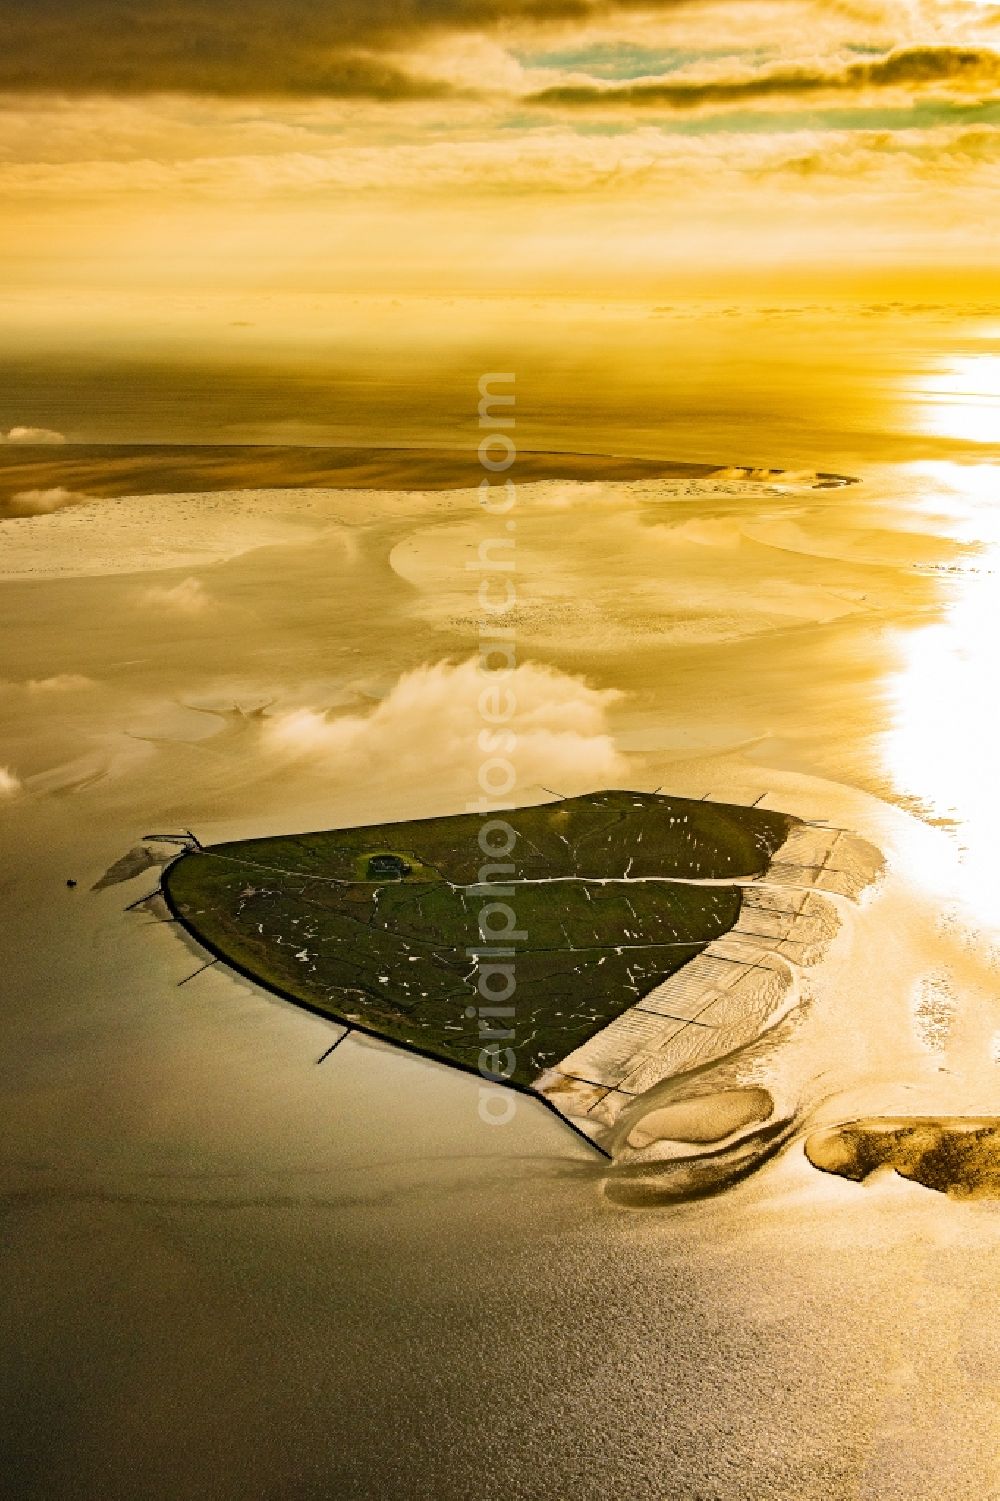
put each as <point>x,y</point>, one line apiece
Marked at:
<point>963,401</point>
<point>942,746</point>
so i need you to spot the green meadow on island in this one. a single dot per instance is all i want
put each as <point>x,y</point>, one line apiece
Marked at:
<point>384,928</point>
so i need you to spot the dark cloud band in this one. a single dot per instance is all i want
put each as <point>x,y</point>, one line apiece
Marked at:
<point>974,68</point>
<point>330,48</point>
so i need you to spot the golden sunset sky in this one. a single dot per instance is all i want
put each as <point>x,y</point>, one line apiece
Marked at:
<point>443,145</point>
<point>358,181</point>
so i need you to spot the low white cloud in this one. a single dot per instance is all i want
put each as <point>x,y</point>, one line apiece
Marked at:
<point>10,783</point>
<point>189,597</point>
<point>43,502</point>
<point>31,435</point>
<point>433,721</point>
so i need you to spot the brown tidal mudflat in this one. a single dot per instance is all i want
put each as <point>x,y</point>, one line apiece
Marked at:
<point>958,1156</point>
<point>102,470</point>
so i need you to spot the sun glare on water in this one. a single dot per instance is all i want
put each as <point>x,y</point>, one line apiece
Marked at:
<point>942,745</point>
<point>963,400</point>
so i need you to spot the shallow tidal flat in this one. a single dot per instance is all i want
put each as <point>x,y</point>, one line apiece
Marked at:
<point>172,1147</point>
<point>106,470</point>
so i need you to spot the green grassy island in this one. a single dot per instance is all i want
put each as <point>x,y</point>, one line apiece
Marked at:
<point>379,927</point>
